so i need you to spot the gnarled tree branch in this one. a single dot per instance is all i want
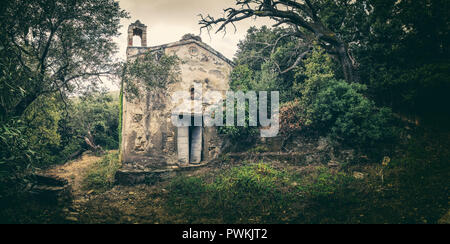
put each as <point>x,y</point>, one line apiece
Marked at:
<point>303,15</point>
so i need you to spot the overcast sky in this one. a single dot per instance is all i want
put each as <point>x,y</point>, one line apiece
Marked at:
<point>168,20</point>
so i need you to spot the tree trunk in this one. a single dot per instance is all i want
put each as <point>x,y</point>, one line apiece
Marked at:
<point>20,108</point>
<point>348,68</point>
<point>89,139</point>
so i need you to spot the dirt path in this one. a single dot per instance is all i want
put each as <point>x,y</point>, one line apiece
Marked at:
<point>74,172</point>
<point>121,204</point>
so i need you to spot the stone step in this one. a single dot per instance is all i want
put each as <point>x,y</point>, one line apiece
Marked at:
<point>50,189</point>
<point>150,177</point>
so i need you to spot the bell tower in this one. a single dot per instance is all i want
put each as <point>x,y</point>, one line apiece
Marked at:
<point>137,29</point>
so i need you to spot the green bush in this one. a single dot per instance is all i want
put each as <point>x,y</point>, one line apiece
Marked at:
<point>15,152</point>
<point>240,135</point>
<point>31,140</point>
<point>341,110</point>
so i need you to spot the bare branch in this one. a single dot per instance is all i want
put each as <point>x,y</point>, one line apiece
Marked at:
<point>302,15</point>
<point>297,62</point>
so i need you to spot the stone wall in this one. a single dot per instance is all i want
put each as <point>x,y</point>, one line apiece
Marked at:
<point>149,139</point>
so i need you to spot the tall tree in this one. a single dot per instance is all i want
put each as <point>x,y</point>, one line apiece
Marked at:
<point>53,46</point>
<point>313,21</point>
<point>405,56</point>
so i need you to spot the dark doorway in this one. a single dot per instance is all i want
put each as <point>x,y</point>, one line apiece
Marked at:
<point>189,143</point>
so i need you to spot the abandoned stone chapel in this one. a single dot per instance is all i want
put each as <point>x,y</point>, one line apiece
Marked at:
<point>149,139</point>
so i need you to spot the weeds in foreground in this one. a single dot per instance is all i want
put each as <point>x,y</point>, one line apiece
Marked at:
<point>414,189</point>
<point>255,193</point>
<point>100,177</point>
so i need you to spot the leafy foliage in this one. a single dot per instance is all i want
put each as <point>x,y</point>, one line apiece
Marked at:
<point>339,109</point>
<point>15,151</point>
<point>153,70</point>
<point>265,61</point>
<point>49,51</point>
<point>32,140</point>
<point>405,57</point>
<point>241,134</point>
<point>96,114</point>
<point>47,135</point>
<point>54,47</point>
<point>262,72</point>
<point>399,49</point>
<point>94,118</point>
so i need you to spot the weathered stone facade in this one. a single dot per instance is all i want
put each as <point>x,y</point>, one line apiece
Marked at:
<point>150,141</point>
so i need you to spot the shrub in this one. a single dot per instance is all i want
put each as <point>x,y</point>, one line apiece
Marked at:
<point>240,134</point>
<point>336,108</point>
<point>15,152</point>
<point>341,110</point>
<point>291,120</point>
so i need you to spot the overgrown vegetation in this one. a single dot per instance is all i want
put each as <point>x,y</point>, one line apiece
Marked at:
<point>366,44</point>
<point>92,124</point>
<point>409,190</point>
<point>324,103</point>
<point>338,109</point>
<point>150,70</point>
<point>50,133</point>
<point>398,49</point>
<point>247,194</point>
<point>259,193</point>
<point>51,51</point>
<point>100,177</point>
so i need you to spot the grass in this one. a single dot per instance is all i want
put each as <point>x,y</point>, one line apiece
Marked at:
<point>414,189</point>
<point>254,193</point>
<point>100,177</point>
